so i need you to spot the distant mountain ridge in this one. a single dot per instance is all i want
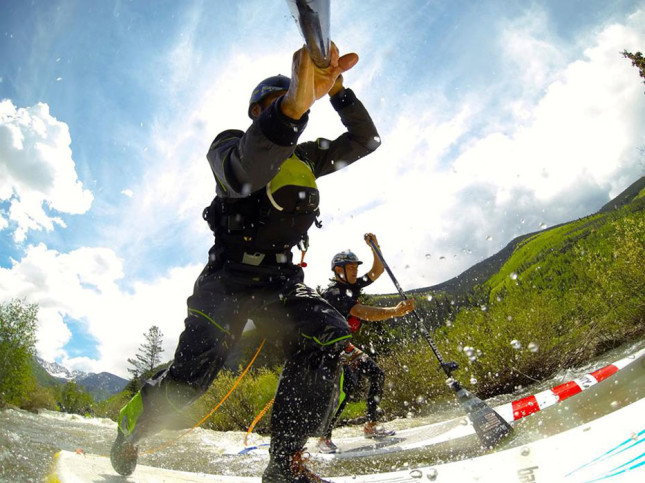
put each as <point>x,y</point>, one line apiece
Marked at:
<point>101,386</point>
<point>482,271</point>
<point>58,371</point>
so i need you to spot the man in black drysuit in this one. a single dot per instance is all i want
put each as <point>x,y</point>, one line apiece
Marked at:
<point>266,201</point>
<point>344,294</point>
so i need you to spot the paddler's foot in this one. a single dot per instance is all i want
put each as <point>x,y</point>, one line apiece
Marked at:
<point>290,469</point>
<point>374,430</point>
<point>326,445</point>
<point>123,455</point>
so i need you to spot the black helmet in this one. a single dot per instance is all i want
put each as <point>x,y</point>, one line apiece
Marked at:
<point>343,258</point>
<point>268,86</point>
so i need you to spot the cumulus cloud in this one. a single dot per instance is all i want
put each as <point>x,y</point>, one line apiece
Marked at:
<point>450,195</point>
<point>83,285</point>
<point>37,172</point>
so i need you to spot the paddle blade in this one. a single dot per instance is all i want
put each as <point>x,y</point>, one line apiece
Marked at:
<point>490,427</point>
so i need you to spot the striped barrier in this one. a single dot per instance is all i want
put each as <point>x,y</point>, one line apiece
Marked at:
<point>531,404</point>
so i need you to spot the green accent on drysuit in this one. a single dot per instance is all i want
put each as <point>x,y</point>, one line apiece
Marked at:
<point>129,414</point>
<point>195,311</point>
<point>342,395</point>
<point>293,172</point>
<point>315,339</point>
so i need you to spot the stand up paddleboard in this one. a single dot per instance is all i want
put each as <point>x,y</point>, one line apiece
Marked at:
<point>605,448</point>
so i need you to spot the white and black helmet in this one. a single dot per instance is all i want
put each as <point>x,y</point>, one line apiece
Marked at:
<point>343,258</point>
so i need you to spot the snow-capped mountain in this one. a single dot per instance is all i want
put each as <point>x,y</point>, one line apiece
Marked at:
<point>101,386</point>
<point>58,371</point>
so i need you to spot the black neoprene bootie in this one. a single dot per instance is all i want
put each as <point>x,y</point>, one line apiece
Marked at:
<point>290,469</point>
<point>123,455</point>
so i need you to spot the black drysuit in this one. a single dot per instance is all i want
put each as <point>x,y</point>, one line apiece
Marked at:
<point>266,200</point>
<point>357,364</point>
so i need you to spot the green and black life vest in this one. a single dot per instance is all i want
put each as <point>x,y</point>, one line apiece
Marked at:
<point>273,219</point>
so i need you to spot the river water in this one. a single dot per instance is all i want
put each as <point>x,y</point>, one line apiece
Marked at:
<point>29,441</point>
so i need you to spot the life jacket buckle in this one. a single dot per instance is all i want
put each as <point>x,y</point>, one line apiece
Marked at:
<point>254,259</point>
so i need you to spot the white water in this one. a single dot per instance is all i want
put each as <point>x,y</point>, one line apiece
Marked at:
<point>28,441</point>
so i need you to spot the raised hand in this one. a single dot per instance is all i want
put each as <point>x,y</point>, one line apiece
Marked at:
<point>309,82</point>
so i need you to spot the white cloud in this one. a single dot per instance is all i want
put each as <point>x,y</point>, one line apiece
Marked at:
<point>37,169</point>
<point>531,50</point>
<point>559,156</point>
<point>82,285</point>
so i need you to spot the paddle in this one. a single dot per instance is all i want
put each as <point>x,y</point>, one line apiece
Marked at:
<point>489,426</point>
<point>312,17</point>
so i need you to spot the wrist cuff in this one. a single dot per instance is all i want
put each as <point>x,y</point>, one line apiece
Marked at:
<point>280,129</point>
<point>343,98</point>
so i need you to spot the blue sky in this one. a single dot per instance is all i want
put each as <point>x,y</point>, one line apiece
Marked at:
<point>497,118</point>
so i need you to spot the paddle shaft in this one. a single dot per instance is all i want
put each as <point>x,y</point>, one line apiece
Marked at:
<point>490,427</point>
<point>420,324</point>
<point>312,17</point>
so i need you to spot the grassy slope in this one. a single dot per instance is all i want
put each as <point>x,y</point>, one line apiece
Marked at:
<point>487,269</point>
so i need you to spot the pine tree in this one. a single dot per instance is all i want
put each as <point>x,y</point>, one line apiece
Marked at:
<point>149,355</point>
<point>638,61</point>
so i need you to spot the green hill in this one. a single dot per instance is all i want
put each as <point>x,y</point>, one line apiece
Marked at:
<point>491,267</point>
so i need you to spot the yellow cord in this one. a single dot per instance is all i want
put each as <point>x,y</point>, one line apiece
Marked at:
<point>257,420</point>
<point>235,384</point>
